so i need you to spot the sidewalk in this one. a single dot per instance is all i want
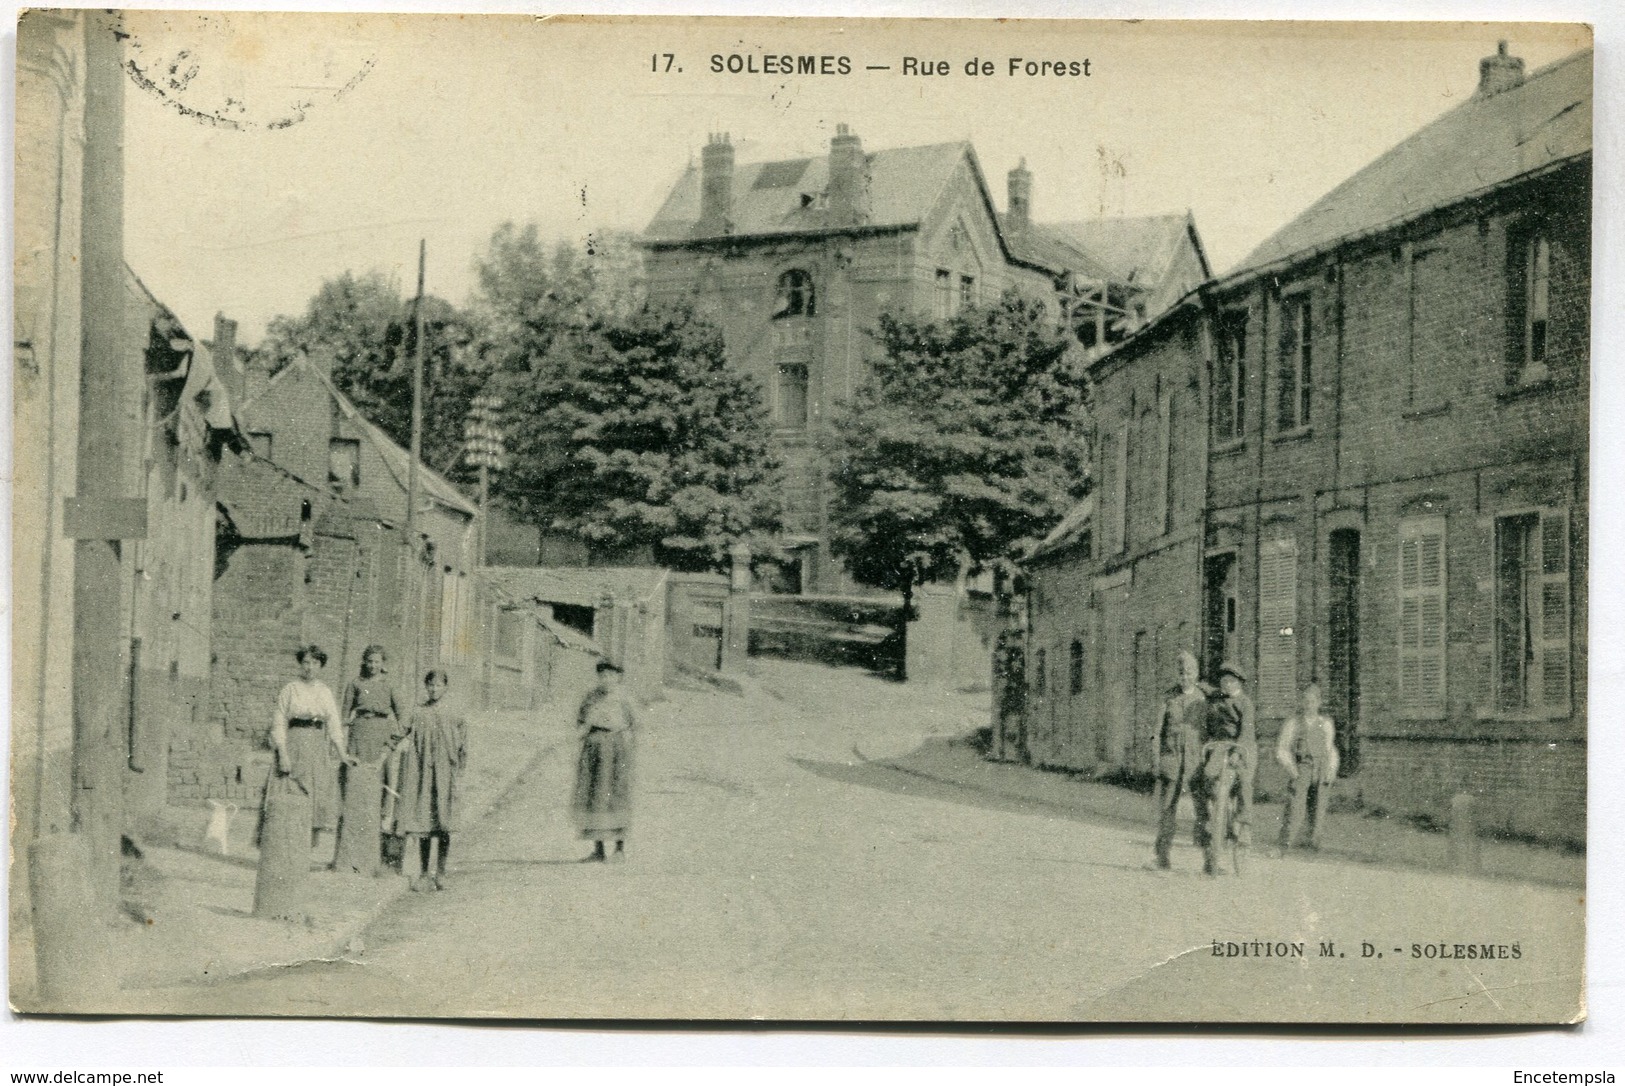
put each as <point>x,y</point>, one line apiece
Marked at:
<point>189,910</point>
<point>1344,836</point>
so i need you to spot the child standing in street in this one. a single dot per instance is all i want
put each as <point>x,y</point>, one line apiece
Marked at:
<point>426,811</point>
<point>1307,750</point>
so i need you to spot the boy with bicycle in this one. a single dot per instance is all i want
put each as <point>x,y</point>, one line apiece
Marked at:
<point>1231,725</point>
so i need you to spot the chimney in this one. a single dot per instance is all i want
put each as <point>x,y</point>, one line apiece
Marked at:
<point>255,378</point>
<point>1019,199</point>
<point>848,179</point>
<point>223,351</point>
<point>716,187</point>
<point>1499,73</point>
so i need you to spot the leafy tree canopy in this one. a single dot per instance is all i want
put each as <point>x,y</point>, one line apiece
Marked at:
<point>531,292</point>
<point>367,331</point>
<point>967,443</point>
<point>641,434</point>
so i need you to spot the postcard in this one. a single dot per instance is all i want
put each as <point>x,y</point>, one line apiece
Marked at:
<point>800,519</point>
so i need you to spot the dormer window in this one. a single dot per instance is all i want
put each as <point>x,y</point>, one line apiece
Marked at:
<point>795,297</point>
<point>344,463</point>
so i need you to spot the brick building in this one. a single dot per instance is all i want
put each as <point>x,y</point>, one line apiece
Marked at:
<point>1386,410</point>
<point>1112,591</point>
<point>796,260</point>
<point>312,547</point>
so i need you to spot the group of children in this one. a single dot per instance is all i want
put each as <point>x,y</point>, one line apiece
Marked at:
<point>1198,720</point>
<point>408,762</point>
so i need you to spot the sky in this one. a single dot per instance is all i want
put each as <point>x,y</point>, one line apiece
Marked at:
<point>266,153</point>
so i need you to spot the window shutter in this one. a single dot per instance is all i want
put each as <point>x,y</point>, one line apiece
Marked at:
<point>1277,616</point>
<point>1422,618</point>
<point>1224,406</point>
<point>1551,618</point>
<point>1119,523</point>
<point>1162,503</point>
<point>1286,365</point>
<point>1107,506</point>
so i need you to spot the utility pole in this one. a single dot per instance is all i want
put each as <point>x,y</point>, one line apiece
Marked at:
<point>484,448</point>
<point>74,877</point>
<point>411,635</point>
<point>99,702</point>
<point>485,495</point>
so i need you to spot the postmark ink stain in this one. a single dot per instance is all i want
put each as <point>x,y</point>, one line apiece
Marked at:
<point>217,70</point>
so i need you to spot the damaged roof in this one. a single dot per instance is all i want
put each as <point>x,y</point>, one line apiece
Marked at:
<point>579,586</point>
<point>1134,249</point>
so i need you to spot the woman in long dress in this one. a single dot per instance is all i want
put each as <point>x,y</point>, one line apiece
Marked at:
<point>376,723</point>
<point>602,803</point>
<point>426,808</point>
<point>307,734</point>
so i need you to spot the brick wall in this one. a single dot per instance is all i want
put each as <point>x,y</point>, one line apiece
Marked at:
<point>302,567</point>
<point>1130,611</point>
<point>1523,789</point>
<point>1414,412</point>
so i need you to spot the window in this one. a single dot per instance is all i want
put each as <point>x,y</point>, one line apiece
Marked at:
<point>1531,305</point>
<point>1297,340</point>
<point>344,463</point>
<point>260,442</point>
<point>1230,378</point>
<point>1532,612</point>
<point>1277,634</point>
<point>967,291</point>
<point>1040,673</point>
<point>1114,469</point>
<point>1164,501</point>
<point>790,395</point>
<point>1422,618</point>
<point>945,294</point>
<point>795,296</point>
<point>1076,668</point>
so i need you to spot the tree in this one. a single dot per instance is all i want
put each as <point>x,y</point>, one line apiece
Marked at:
<point>642,435</point>
<point>967,443</point>
<point>530,292</point>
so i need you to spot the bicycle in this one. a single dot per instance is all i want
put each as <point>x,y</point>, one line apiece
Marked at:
<point>1221,801</point>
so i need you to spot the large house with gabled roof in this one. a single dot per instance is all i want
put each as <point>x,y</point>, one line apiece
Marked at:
<point>796,259</point>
